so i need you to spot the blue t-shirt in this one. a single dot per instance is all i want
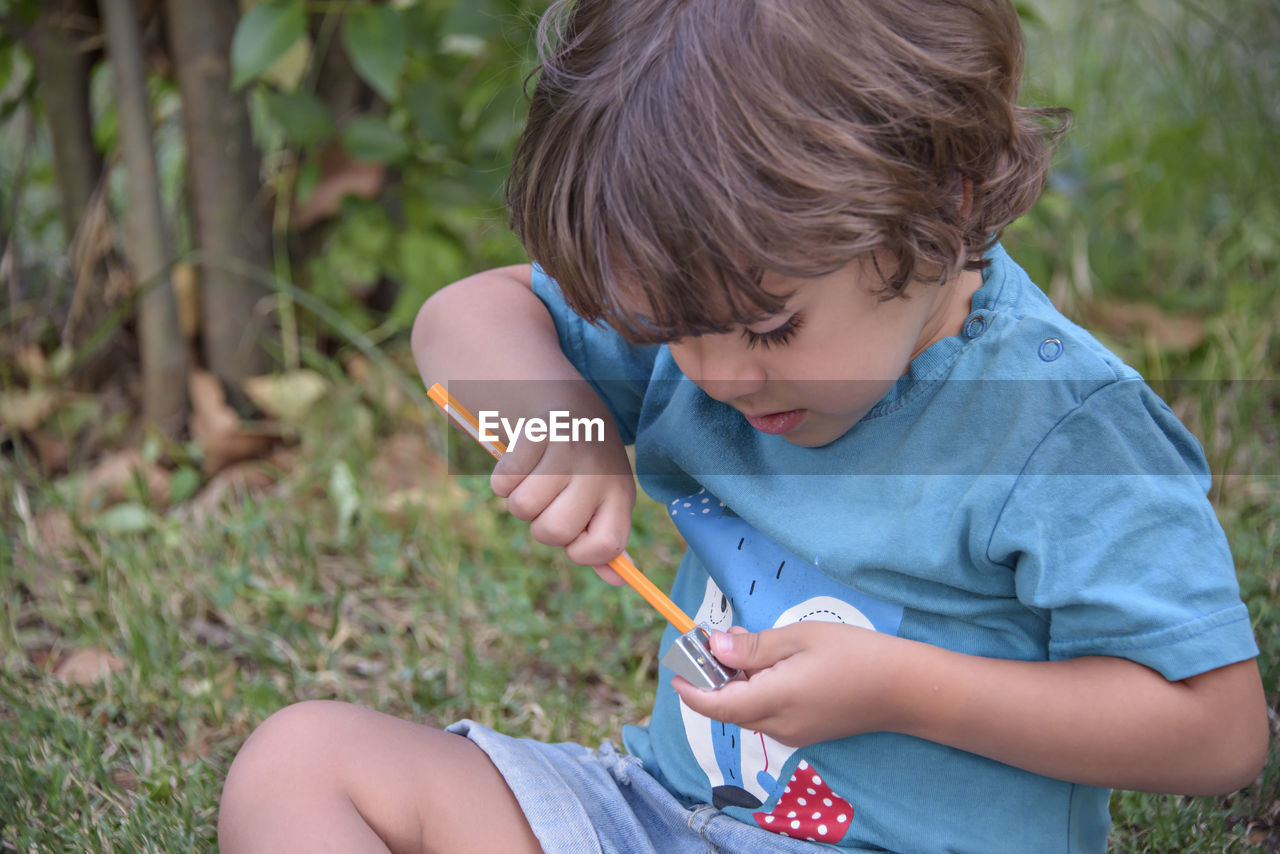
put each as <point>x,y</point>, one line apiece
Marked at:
<point>1019,494</point>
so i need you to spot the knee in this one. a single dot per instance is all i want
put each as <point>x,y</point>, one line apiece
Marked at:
<point>287,739</point>
<point>283,756</point>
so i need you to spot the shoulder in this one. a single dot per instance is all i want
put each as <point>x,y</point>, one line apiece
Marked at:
<point>1027,337</point>
<point>1047,388</point>
<point>595,349</point>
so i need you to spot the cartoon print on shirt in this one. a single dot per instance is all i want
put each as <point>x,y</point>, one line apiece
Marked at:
<point>742,766</point>
<point>756,583</point>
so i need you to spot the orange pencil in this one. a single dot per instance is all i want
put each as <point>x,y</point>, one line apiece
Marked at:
<point>620,564</point>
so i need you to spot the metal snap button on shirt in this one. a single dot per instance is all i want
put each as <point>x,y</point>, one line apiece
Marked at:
<point>1050,349</point>
<point>975,326</point>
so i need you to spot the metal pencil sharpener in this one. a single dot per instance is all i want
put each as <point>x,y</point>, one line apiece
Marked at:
<point>690,656</point>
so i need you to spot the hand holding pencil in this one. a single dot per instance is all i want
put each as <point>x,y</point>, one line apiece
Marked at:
<point>621,564</point>
<point>690,655</point>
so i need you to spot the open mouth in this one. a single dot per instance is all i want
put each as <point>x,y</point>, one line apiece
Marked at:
<point>776,423</point>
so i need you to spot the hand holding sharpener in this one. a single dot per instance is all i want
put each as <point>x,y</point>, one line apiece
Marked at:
<point>690,656</point>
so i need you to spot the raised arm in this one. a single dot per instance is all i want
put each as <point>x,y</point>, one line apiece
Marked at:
<point>490,326</point>
<point>492,330</point>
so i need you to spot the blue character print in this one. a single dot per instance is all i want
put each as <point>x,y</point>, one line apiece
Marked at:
<point>757,584</point>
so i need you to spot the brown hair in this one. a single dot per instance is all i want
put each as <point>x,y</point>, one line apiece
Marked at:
<point>678,149</point>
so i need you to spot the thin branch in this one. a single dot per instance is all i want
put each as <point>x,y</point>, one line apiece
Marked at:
<point>12,260</point>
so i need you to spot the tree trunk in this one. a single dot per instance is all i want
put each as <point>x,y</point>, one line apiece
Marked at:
<point>60,42</point>
<point>62,68</point>
<point>229,216</point>
<point>164,359</point>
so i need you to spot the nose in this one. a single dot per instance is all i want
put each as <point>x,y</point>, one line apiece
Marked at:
<point>719,365</point>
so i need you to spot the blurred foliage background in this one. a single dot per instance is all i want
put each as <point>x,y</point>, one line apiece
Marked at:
<point>164,586</point>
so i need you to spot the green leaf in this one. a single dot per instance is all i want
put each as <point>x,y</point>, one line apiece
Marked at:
<point>129,518</point>
<point>304,118</point>
<point>265,34</point>
<point>500,122</point>
<point>7,62</point>
<point>308,178</point>
<point>345,497</point>
<point>433,110</point>
<point>184,483</point>
<point>1028,12</point>
<point>374,37</point>
<point>24,12</point>
<point>427,261</point>
<point>420,25</point>
<point>106,130</point>
<point>371,139</point>
<point>479,18</point>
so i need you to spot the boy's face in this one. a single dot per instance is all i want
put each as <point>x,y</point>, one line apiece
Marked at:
<point>812,371</point>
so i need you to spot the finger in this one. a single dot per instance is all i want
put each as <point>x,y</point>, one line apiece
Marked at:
<point>514,466</point>
<point>737,702</point>
<point>533,496</point>
<point>605,534</point>
<point>610,575</point>
<point>755,650</point>
<point>564,518</point>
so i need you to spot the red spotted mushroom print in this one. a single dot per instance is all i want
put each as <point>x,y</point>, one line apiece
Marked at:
<point>808,809</point>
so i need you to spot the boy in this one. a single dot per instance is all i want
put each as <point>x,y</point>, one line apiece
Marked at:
<point>961,552</point>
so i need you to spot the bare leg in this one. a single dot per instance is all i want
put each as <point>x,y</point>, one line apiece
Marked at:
<point>321,776</point>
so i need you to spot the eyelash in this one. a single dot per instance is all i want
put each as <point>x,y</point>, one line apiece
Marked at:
<point>775,337</point>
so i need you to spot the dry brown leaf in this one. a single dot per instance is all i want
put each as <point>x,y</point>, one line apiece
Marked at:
<point>359,368</point>
<point>23,410</point>
<point>288,396</point>
<point>40,656</point>
<point>125,778</point>
<point>120,284</point>
<point>405,461</point>
<point>32,362</point>
<point>408,472</point>
<point>216,427</point>
<point>87,666</point>
<point>1147,322</point>
<point>91,245</point>
<point>340,176</point>
<point>108,481</point>
<point>375,383</point>
<point>52,532</point>
<point>52,449</point>
<point>47,557</point>
<point>237,480</point>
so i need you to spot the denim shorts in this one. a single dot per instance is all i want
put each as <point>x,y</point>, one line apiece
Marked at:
<point>579,800</point>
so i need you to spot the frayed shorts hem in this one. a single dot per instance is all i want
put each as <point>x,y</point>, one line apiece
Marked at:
<point>581,801</point>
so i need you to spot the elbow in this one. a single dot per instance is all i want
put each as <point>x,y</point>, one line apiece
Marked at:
<point>428,340</point>
<point>1232,775</point>
<point>1239,754</point>
<point>1249,755</point>
<point>427,317</point>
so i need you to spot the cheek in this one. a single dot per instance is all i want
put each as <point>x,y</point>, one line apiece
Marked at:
<point>872,352</point>
<point>682,354</point>
<point>860,357</point>
<point>850,397</point>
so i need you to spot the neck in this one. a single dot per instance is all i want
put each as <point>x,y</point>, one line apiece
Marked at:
<point>949,307</point>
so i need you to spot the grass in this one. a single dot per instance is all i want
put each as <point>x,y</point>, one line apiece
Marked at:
<point>429,603</point>
<point>358,570</point>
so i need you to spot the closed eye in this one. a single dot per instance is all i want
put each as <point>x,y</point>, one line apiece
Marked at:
<point>778,337</point>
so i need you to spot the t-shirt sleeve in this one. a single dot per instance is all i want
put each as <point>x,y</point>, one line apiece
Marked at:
<point>618,371</point>
<point>1114,540</point>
